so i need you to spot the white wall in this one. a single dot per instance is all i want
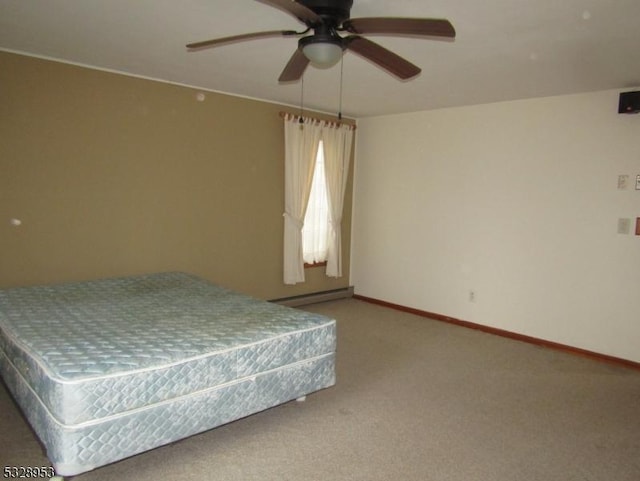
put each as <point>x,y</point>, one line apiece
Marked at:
<point>517,201</point>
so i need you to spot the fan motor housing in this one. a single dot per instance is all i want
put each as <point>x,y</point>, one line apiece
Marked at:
<point>337,11</point>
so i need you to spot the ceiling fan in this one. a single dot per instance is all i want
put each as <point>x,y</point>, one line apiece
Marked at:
<point>323,48</point>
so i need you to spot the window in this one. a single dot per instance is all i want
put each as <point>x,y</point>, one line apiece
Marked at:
<point>333,161</point>
<point>315,232</point>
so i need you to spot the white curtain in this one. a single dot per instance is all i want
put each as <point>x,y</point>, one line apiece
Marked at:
<point>315,233</point>
<point>301,147</point>
<point>337,139</point>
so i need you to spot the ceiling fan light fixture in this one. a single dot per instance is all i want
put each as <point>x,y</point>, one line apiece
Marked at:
<point>325,47</point>
<point>322,52</point>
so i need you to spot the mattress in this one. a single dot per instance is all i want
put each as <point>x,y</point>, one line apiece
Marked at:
<point>109,368</point>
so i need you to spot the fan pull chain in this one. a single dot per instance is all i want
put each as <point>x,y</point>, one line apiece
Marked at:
<point>341,76</point>
<point>300,120</point>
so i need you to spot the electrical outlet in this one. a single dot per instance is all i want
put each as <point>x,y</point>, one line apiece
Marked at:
<point>472,296</point>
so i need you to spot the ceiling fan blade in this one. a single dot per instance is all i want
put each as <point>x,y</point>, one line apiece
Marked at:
<point>381,56</point>
<point>295,68</point>
<point>238,38</point>
<point>302,13</point>
<point>428,27</point>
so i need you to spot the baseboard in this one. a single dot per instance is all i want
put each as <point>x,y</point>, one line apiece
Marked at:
<point>315,297</point>
<point>503,333</point>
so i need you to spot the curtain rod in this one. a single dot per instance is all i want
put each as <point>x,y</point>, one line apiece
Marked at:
<point>334,122</point>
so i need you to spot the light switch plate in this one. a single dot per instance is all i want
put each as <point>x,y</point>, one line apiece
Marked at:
<point>624,226</point>
<point>623,181</point>
<point>637,182</point>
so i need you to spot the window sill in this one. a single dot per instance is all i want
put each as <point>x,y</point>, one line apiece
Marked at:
<point>315,264</point>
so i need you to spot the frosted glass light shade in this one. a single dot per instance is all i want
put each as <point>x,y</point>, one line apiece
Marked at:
<point>322,54</point>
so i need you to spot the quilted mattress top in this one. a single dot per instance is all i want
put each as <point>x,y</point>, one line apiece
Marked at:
<point>99,328</point>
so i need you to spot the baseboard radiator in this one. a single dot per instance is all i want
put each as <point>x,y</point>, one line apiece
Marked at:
<point>316,297</point>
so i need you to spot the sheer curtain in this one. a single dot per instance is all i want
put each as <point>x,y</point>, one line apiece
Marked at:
<point>337,139</point>
<point>315,232</point>
<point>301,147</point>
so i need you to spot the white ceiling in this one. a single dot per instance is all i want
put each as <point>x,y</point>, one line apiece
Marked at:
<point>504,49</point>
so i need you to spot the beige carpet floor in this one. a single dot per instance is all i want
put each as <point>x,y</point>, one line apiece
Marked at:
<point>415,399</point>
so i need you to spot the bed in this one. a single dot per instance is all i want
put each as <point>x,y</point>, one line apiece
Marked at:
<point>110,368</point>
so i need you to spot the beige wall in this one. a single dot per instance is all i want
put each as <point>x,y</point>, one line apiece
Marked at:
<point>113,175</point>
<point>516,201</point>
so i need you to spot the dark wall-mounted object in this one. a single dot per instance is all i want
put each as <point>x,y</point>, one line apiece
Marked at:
<point>629,103</point>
